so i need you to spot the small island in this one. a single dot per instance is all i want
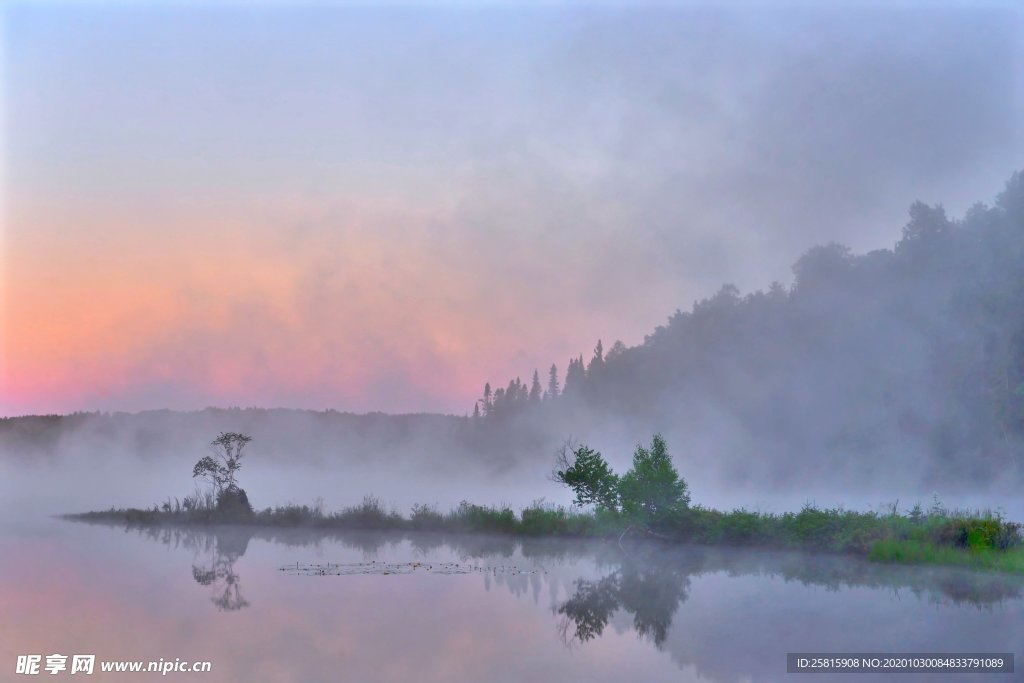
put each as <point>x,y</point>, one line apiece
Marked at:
<point>650,501</point>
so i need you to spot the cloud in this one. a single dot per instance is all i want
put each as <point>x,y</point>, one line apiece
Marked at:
<point>383,209</point>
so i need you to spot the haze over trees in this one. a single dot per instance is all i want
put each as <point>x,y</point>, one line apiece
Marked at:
<point>903,363</point>
<point>910,355</point>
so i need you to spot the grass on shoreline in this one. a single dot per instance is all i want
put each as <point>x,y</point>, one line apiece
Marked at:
<point>1010,561</point>
<point>975,539</point>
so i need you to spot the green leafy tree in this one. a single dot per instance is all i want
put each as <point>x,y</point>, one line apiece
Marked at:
<point>652,490</point>
<point>589,477</point>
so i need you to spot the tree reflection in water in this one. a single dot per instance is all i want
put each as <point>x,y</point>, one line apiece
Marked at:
<point>648,590</point>
<point>649,581</point>
<point>218,571</point>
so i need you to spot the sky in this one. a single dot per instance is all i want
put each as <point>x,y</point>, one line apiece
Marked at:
<point>381,207</point>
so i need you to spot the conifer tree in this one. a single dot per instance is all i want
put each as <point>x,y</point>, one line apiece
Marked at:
<point>535,388</point>
<point>553,389</point>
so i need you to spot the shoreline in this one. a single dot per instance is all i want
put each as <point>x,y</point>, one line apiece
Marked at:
<point>972,540</point>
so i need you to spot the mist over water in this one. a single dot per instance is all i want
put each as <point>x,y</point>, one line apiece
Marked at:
<point>478,607</point>
<point>75,478</point>
<point>536,185</point>
<point>896,375</point>
<point>787,238</point>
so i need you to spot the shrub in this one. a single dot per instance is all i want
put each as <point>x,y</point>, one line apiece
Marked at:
<point>287,515</point>
<point>977,533</point>
<point>233,505</point>
<point>739,527</point>
<point>540,519</point>
<point>425,517</point>
<point>806,527</point>
<point>369,514</point>
<point>469,517</point>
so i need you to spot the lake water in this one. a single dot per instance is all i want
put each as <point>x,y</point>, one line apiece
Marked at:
<point>471,609</point>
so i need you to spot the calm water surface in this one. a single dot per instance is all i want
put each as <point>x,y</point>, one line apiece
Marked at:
<point>505,610</point>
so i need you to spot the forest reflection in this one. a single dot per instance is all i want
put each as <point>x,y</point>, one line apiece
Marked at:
<point>594,580</point>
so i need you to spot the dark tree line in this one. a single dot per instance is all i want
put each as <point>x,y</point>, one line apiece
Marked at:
<point>516,399</point>
<point>913,352</point>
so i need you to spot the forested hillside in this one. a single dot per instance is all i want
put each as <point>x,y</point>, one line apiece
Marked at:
<point>905,361</point>
<point>910,355</point>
